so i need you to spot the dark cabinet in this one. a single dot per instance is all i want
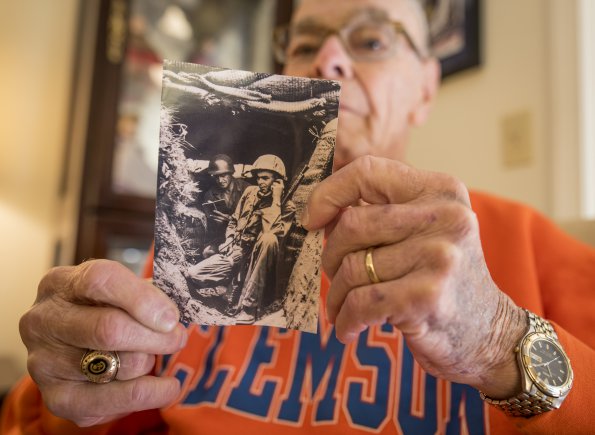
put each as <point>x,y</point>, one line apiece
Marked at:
<point>120,165</point>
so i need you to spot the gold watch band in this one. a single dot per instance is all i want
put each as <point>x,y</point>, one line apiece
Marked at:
<point>537,324</point>
<point>522,405</point>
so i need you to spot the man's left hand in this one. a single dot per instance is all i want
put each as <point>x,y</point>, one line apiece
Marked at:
<point>435,286</point>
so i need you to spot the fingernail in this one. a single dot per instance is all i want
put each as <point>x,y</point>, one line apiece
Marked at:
<point>305,219</point>
<point>329,319</point>
<point>168,320</point>
<point>184,340</point>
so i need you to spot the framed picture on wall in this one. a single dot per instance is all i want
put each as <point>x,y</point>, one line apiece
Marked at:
<point>455,33</point>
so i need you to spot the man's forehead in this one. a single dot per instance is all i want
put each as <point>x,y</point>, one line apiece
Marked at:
<point>340,19</point>
<point>338,12</point>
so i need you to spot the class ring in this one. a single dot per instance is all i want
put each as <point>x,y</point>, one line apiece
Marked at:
<point>100,366</point>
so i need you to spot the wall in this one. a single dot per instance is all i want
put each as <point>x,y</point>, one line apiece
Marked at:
<point>462,136</point>
<point>37,42</point>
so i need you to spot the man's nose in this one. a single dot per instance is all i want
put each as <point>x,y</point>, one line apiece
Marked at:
<point>332,61</point>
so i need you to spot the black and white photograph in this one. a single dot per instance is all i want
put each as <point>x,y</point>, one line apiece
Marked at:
<point>240,153</point>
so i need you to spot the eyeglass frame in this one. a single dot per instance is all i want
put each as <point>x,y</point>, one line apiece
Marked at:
<point>284,30</point>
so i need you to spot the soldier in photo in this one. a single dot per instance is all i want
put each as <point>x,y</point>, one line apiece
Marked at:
<point>220,201</point>
<point>248,257</point>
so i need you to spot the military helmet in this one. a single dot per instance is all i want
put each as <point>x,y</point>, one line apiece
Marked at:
<point>270,162</point>
<point>220,164</point>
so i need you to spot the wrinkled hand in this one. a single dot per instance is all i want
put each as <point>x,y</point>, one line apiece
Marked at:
<point>100,305</point>
<point>435,287</point>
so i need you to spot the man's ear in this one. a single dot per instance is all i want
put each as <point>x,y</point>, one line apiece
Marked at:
<point>431,82</point>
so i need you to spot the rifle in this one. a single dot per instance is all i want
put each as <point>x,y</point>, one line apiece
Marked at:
<point>295,184</point>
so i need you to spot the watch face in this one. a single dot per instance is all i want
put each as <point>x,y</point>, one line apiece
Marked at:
<point>548,364</point>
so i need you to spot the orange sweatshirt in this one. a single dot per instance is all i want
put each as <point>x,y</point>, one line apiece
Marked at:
<point>253,380</point>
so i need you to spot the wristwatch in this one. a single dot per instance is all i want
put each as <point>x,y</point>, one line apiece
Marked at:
<point>546,374</point>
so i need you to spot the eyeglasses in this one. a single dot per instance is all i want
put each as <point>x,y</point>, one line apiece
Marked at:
<point>366,41</point>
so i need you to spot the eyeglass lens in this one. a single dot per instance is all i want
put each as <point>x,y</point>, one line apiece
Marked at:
<point>364,41</point>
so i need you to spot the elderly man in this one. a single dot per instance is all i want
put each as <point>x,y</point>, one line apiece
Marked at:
<point>425,312</point>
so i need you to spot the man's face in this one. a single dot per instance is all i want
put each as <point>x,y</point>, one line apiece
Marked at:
<point>380,100</point>
<point>265,180</point>
<point>223,180</point>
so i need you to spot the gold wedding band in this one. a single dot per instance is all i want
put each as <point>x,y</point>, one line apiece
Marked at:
<point>100,366</point>
<point>370,266</point>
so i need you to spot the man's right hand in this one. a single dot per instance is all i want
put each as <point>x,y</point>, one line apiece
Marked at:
<point>217,216</point>
<point>100,305</point>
